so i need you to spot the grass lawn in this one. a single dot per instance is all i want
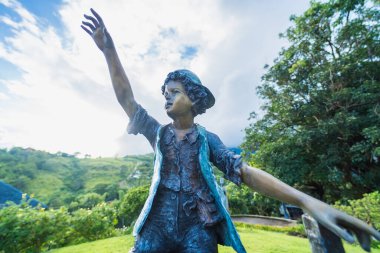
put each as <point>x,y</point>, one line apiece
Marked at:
<point>255,241</point>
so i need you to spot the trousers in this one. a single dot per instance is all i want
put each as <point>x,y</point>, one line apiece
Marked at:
<point>170,228</point>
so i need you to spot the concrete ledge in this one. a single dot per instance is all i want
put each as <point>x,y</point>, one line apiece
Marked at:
<point>263,220</point>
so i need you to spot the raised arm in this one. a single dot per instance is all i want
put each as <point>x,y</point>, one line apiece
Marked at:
<point>95,27</point>
<point>334,220</point>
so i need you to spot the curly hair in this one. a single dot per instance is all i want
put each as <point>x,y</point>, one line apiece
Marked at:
<point>194,90</point>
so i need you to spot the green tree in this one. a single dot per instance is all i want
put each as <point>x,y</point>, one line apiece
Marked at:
<point>132,203</point>
<point>86,201</point>
<point>241,200</point>
<point>75,181</point>
<point>320,131</point>
<point>110,191</point>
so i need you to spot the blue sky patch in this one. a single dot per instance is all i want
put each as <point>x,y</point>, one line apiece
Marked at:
<point>189,52</point>
<point>5,30</point>
<point>45,10</point>
<point>168,32</point>
<point>8,70</point>
<point>46,13</point>
<point>152,51</point>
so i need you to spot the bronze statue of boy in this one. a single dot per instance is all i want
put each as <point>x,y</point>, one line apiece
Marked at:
<point>185,209</point>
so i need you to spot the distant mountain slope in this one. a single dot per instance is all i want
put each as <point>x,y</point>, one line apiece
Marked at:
<point>57,179</point>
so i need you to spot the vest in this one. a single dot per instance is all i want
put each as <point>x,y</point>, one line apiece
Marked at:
<point>229,235</point>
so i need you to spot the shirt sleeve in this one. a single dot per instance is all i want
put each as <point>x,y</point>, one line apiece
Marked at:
<point>224,159</point>
<point>142,123</point>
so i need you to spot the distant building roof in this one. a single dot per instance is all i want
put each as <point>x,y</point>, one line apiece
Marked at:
<point>10,193</point>
<point>236,150</point>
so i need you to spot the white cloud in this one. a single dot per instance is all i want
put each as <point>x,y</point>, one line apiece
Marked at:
<point>3,96</point>
<point>64,99</point>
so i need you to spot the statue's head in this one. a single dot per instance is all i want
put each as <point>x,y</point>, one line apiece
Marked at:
<point>201,97</point>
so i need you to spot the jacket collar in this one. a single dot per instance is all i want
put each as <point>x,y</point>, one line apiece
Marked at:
<point>191,136</point>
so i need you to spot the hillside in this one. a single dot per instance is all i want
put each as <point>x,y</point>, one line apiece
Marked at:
<point>58,179</point>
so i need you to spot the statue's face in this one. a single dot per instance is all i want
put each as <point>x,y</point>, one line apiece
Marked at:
<point>177,102</point>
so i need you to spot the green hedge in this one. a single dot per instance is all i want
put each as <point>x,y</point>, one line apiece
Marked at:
<point>25,229</point>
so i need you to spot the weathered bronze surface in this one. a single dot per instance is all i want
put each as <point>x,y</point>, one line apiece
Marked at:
<point>184,211</point>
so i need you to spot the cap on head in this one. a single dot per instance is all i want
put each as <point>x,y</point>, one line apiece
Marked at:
<point>194,89</point>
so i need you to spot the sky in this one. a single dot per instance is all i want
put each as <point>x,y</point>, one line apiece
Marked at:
<point>55,89</point>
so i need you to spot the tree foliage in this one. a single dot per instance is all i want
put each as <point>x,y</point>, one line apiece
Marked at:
<point>58,179</point>
<point>132,203</point>
<point>320,131</point>
<point>86,201</point>
<point>242,200</point>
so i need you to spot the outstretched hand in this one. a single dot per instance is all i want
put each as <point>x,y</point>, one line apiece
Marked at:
<point>95,27</point>
<point>342,224</point>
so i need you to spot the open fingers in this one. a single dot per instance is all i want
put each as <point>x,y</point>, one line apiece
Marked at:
<point>94,21</point>
<point>341,232</point>
<point>364,240</point>
<point>358,226</point>
<point>364,228</point>
<point>377,235</point>
<point>87,31</point>
<point>97,17</point>
<point>89,25</point>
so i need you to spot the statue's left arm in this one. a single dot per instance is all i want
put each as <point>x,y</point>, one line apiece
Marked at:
<point>336,221</point>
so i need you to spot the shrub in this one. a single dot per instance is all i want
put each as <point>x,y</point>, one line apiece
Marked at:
<point>94,224</point>
<point>25,229</point>
<point>132,203</point>
<point>28,229</point>
<point>366,208</point>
